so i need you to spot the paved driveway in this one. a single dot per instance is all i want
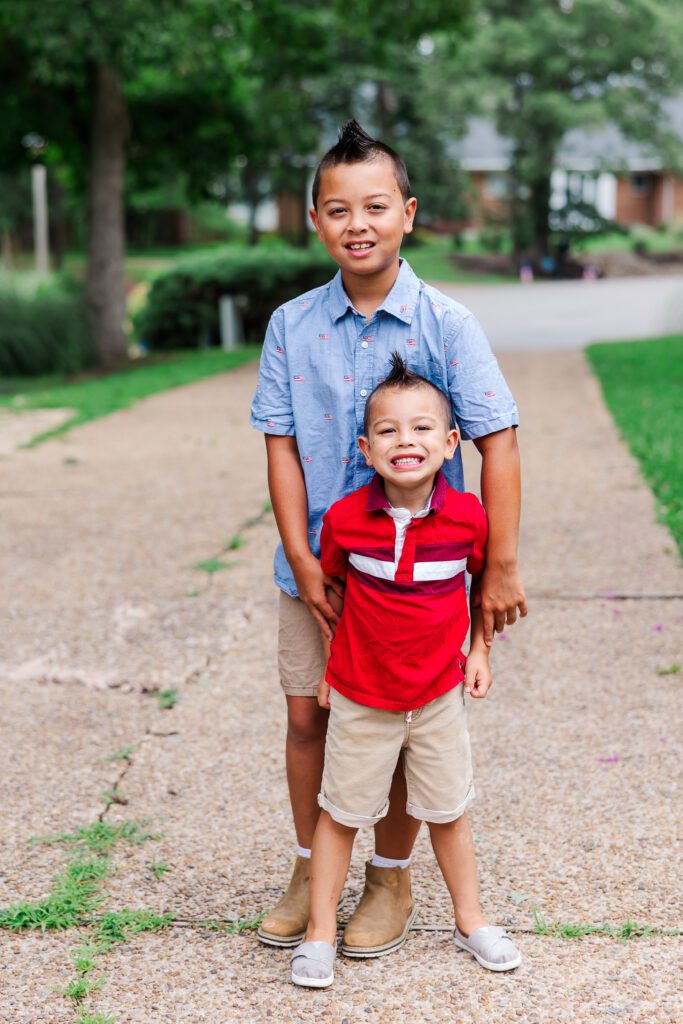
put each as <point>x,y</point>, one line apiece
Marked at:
<point>571,314</point>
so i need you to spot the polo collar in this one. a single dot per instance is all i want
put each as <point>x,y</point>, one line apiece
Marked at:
<point>400,302</point>
<point>378,501</point>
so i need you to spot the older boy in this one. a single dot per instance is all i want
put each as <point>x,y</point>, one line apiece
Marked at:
<point>323,354</point>
<point>402,543</point>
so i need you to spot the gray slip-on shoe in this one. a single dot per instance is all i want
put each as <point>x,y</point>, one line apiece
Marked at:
<point>491,947</point>
<point>313,964</point>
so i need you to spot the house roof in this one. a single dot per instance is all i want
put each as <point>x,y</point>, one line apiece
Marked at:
<point>483,148</point>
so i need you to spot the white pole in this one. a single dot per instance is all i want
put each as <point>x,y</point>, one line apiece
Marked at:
<point>40,225</point>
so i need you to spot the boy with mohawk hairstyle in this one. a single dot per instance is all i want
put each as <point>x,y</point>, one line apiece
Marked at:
<point>396,674</point>
<point>324,353</point>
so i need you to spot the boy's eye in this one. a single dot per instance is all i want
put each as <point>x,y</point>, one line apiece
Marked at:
<point>337,209</point>
<point>423,426</point>
<point>387,430</point>
<point>377,206</point>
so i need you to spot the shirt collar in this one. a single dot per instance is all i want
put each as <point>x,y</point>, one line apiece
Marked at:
<point>378,501</point>
<point>400,302</point>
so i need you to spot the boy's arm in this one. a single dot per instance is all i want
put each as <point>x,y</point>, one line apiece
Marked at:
<point>337,603</point>
<point>478,677</point>
<point>502,591</point>
<point>290,507</point>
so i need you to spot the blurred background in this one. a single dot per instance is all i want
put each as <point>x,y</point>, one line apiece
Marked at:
<point>155,159</point>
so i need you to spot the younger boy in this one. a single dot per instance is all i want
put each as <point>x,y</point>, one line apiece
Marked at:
<point>323,354</point>
<point>402,543</point>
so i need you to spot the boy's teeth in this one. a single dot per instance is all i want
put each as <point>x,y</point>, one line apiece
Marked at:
<point>408,461</point>
<point>360,245</point>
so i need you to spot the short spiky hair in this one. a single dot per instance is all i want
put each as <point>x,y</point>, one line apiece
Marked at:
<point>355,146</point>
<point>400,378</point>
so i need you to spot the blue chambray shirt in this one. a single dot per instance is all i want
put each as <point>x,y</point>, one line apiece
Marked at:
<point>321,359</point>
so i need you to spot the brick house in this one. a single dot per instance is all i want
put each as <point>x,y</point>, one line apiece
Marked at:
<point>623,180</point>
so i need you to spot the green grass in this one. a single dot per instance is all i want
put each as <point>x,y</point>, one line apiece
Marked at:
<point>124,754</point>
<point>101,837</point>
<point>167,699</point>
<point>651,239</point>
<point>642,382</point>
<point>432,261</point>
<point>672,670</point>
<point>621,932</point>
<point>94,395</point>
<point>160,868</point>
<point>212,565</point>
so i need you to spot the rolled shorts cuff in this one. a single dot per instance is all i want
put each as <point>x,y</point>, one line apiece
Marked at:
<point>440,817</point>
<point>297,690</point>
<point>347,817</point>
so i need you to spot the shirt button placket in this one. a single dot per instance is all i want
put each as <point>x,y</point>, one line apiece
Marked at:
<point>363,384</point>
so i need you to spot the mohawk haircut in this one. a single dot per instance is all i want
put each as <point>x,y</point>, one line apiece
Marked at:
<point>355,146</point>
<point>400,378</point>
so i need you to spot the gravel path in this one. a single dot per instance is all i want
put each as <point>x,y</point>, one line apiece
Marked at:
<point>576,753</point>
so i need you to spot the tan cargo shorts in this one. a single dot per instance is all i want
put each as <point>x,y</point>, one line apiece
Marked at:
<point>300,655</point>
<point>364,745</point>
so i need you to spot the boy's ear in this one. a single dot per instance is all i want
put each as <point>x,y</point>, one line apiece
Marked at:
<point>313,214</point>
<point>364,446</point>
<point>410,208</point>
<point>451,444</point>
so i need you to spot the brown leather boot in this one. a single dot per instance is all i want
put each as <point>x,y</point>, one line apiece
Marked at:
<point>384,915</point>
<point>286,923</point>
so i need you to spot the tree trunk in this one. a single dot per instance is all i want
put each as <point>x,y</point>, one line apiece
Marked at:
<point>106,230</point>
<point>539,203</point>
<point>7,250</point>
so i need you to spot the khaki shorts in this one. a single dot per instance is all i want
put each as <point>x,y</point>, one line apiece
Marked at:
<point>364,745</point>
<point>301,655</point>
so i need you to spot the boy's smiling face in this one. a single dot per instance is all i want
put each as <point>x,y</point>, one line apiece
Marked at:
<point>409,437</point>
<point>361,216</point>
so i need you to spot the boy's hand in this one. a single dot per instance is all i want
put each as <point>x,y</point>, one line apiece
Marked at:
<point>324,693</point>
<point>311,582</point>
<point>478,676</point>
<point>502,593</point>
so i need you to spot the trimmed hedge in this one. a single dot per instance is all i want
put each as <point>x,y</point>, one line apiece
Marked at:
<point>182,305</point>
<point>43,329</point>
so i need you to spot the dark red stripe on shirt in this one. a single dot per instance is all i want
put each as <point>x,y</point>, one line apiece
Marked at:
<point>443,552</point>
<point>421,587</point>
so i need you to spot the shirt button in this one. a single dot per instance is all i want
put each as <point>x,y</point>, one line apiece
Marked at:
<point>363,392</point>
<point>364,344</point>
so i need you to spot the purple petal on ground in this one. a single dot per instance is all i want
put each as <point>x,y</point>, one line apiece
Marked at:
<point>657,628</point>
<point>612,759</point>
<point>503,636</point>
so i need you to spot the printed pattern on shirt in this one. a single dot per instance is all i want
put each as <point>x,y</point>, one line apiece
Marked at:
<point>321,360</point>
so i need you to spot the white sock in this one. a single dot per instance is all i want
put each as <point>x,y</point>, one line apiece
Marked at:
<point>388,862</point>
<point>303,852</point>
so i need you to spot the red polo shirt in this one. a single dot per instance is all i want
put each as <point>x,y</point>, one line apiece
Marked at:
<point>399,640</point>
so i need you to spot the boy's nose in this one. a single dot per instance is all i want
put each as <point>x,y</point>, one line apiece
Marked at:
<point>358,222</point>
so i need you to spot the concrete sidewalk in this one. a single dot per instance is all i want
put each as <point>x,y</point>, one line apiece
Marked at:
<point>576,751</point>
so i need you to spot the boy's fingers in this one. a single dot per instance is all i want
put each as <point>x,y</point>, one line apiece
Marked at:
<point>522,607</point>
<point>500,621</point>
<point>322,621</point>
<point>334,583</point>
<point>328,611</point>
<point>487,618</point>
<point>511,615</point>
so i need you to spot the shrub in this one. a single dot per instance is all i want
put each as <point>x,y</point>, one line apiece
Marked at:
<point>43,328</point>
<point>182,305</point>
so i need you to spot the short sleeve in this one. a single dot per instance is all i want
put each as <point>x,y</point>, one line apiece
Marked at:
<point>481,399</point>
<point>333,558</point>
<point>475,562</point>
<point>271,408</point>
